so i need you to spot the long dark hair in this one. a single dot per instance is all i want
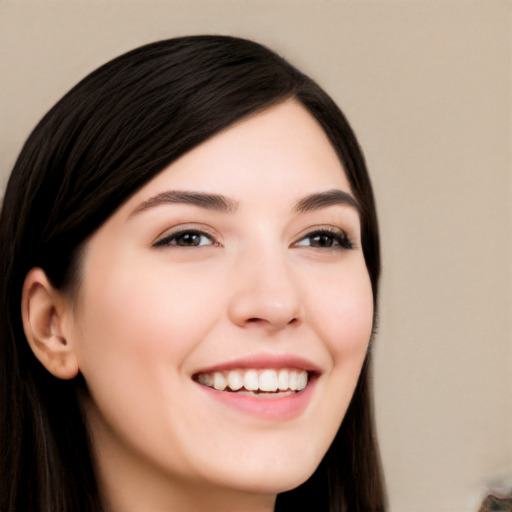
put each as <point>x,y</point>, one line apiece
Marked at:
<point>106,138</point>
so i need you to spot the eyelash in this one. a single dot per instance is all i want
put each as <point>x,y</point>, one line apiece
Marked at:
<point>167,240</point>
<point>338,239</point>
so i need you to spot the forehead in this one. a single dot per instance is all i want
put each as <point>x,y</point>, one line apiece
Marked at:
<point>279,152</point>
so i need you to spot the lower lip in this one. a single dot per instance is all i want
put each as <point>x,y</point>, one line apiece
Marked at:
<point>267,407</point>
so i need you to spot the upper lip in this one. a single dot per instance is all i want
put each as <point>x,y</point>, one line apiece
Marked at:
<point>261,361</point>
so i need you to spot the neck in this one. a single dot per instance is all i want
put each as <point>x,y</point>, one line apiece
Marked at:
<point>126,497</point>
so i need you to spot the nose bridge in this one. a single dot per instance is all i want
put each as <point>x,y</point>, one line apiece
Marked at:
<point>265,292</point>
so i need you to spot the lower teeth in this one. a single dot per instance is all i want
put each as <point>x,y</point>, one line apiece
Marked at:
<point>260,393</point>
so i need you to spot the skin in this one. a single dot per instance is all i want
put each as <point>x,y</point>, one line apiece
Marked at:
<point>147,318</point>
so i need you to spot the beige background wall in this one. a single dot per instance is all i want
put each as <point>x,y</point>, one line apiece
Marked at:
<point>427,87</point>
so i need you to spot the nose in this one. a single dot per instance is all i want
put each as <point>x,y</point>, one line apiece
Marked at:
<point>265,293</point>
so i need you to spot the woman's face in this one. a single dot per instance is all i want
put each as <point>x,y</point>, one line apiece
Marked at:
<point>235,272</point>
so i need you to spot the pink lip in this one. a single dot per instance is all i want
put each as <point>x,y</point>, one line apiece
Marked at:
<point>266,407</point>
<point>270,361</point>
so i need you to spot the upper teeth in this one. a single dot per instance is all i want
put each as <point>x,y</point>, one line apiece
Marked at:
<point>256,380</point>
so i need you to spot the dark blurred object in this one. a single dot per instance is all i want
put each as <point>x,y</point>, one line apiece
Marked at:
<point>494,503</point>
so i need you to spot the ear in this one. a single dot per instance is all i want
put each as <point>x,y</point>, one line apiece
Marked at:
<point>44,311</point>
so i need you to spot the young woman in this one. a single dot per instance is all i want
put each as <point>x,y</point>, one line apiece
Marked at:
<point>192,238</point>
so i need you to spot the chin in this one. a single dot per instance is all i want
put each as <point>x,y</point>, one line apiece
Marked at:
<point>268,477</point>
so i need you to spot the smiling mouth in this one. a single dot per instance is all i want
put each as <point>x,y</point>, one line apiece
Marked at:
<point>256,381</point>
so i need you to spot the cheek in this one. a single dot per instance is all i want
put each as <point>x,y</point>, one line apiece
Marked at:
<point>344,321</point>
<point>134,332</point>
<point>141,311</point>
<point>137,326</point>
<point>343,314</point>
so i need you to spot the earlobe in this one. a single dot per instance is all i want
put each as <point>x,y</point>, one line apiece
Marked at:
<point>43,311</point>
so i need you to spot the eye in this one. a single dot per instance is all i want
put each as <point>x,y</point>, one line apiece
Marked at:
<point>186,238</point>
<point>326,239</point>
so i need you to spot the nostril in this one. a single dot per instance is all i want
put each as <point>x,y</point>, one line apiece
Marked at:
<point>260,321</point>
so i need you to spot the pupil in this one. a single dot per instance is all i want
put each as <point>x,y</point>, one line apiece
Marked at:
<point>322,241</point>
<point>190,239</point>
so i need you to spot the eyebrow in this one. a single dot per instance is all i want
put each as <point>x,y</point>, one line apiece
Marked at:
<point>324,199</point>
<point>224,204</point>
<point>215,202</point>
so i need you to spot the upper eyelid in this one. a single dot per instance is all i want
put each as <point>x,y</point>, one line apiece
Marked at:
<point>331,228</point>
<point>331,231</point>
<point>184,228</point>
